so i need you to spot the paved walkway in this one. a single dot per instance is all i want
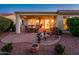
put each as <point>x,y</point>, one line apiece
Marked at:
<point>18,38</point>
<point>70,42</point>
<point>26,37</point>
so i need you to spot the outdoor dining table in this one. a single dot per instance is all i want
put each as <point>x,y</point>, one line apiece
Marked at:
<point>44,36</point>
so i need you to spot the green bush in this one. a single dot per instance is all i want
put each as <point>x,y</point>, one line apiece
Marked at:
<point>59,49</point>
<point>57,31</point>
<point>7,48</point>
<point>10,27</point>
<point>5,24</point>
<point>73,25</point>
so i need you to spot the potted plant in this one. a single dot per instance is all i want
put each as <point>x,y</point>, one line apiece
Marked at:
<point>35,48</point>
<point>7,48</point>
<point>59,49</point>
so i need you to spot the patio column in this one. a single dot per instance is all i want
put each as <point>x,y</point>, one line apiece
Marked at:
<point>17,24</point>
<point>59,22</point>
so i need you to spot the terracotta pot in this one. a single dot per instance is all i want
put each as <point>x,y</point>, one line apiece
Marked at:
<point>35,48</point>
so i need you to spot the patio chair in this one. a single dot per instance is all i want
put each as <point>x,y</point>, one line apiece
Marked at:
<point>38,37</point>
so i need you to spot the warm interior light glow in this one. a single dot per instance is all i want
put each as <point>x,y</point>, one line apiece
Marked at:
<point>24,16</point>
<point>47,23</point>
<point>65,24</point>
<point>37,21</point>
<point>52,21</point>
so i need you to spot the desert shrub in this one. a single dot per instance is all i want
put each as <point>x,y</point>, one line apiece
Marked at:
<point>73,25</point>
<point>5,24</point>
<point>59,49</point>
<point>7,48</point>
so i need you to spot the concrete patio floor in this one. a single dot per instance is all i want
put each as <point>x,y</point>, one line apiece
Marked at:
<point>70,42</point>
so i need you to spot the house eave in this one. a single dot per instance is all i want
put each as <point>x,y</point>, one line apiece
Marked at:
<point>35,12</point>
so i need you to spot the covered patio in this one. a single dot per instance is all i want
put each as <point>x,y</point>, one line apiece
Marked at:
<point>38,21</point>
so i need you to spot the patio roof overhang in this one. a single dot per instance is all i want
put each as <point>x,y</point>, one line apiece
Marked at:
<point>60,12</point>
<point>36,13</point>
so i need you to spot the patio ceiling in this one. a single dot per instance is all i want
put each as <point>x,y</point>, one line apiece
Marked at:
<point>38,17</point>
